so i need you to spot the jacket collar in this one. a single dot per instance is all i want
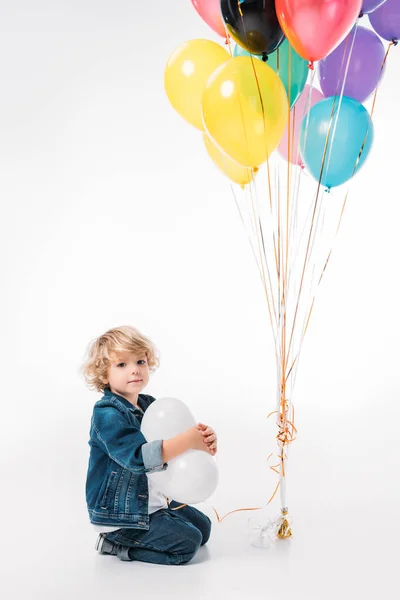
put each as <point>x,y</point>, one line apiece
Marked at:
<point>142,404</point>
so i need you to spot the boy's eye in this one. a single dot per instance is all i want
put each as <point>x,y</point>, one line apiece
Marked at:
<point>141,361</point>
<point>122,364</point>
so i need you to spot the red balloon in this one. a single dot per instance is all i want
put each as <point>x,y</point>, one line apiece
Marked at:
<point>316,27</point>
<point>210,12</point>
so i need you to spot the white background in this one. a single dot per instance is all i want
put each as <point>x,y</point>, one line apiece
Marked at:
<point>112,214</point>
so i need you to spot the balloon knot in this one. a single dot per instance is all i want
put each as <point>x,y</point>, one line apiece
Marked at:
<point>265,57</point>
<point>227,40</point>
<point>328,190</point>
<point>360,16</point>
<point>395,42</point>
<point>311,65</point>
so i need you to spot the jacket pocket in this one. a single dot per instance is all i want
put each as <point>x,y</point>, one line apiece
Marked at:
<point>108,492</point>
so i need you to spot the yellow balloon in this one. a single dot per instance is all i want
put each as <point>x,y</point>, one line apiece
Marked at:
<point>245,110</point>
<point>237,173</point>
<point>186,74</point>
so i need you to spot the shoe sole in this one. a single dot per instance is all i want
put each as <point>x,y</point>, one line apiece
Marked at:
<point>100,542</point>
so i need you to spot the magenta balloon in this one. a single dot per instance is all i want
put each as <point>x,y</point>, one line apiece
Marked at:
<point>370,5</point>
<point>364,70</point>
<point>386,20</point>
<point>297,114</point>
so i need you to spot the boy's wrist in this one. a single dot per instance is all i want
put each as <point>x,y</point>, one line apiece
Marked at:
<point>177,445</point>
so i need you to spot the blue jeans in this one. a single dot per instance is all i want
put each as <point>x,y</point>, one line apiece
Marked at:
<point>173,538</point>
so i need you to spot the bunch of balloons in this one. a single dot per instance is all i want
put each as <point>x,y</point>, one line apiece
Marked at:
<point>244,100</point>
<point>191,477</point>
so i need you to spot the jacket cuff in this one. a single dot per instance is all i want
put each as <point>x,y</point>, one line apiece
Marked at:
<point>152,456</point>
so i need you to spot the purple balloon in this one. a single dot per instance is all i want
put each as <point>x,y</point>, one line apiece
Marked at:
<point>365,66</point>
<point>370,5</point>
<point>386,20</point>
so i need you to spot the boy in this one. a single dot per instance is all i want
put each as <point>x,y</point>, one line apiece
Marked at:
<point>134,520</point>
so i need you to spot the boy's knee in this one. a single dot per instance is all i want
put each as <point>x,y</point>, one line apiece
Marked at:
<point>192,544</point>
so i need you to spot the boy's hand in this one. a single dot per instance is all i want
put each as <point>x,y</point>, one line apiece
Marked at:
<point>209,437</point>
<point>196,440</point>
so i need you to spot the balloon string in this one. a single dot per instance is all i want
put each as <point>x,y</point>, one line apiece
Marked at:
<point>346,197</point>
<point>285,435</point>
<point>283,430</point>
<point>248,234</point>
<point>265,133</point>
<point>288,215</point>
<point>176,507</point>
<point>313,219</point>
<point>261,268</point>
<point>309,240</point>
<point>242,117</point>
<point>220,519</point>
<point>279,271</point>
<point>342,93</point>
<point>260,264</point>
<point>382,67</point>
<point>297,184</point>
<point>277,252</point>
<point>228,41</point>
<point>304,328</point>
<point>268,168</point>
<point>358,157</point>
<point>306,113</point>
<point>260,241</point>
<point>295,193</point>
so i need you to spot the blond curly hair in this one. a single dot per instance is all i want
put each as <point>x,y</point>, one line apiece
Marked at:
<point>119,339</point>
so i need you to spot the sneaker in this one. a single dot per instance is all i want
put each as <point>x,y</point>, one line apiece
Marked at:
<point>103,546</point>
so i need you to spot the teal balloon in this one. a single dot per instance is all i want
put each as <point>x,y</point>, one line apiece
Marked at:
<point>295,79</point>
<point>279,61</point>
<point>347,132</point>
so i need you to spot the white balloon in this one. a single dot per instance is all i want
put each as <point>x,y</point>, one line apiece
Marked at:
<point>190,478</point>
<point>165,418</point>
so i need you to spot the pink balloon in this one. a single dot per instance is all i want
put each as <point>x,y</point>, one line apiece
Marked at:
<point>210,12</point>
<point>315,28</point>
<point>298,112</point>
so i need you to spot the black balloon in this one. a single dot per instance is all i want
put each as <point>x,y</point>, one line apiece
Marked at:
<point>253,24</point>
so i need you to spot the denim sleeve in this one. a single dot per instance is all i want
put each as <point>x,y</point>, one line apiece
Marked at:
<point>152,456</point>
<point>125,444</point>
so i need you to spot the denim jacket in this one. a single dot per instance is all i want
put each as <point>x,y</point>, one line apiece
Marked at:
<point>116,485</point>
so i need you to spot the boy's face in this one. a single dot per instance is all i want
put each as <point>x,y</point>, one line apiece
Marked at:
<point>128,374</point>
